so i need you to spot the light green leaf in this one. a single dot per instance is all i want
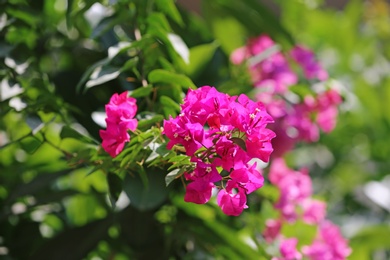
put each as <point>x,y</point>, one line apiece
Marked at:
<point>141,91</point>
<point>200,56</point>
<point>168,7</point>
<point>163,76</point>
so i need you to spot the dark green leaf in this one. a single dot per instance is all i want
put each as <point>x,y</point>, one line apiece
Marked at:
<point>239,142</point>
<point>146,197</point>
<point>74,243</point>
<point>88,73</point>
<point>115,187</point>
<point>102,75</point>
<point>68,132</point>
<point>69,7</point>
<point>36,185</point>
<point>30,144</point>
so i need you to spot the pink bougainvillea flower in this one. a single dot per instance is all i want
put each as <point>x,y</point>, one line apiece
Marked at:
<point>221,133</point>
<point>306,59</point>
<point>114,138</point>
<point>314,211</point>
<point>295,187</point>
<point>232,200</point>
<point>120,112</point>
<point>288,249</point>
<point>250,178</point>
<point>328,245</point>
<point>198,191</point>
<point>272,229</point>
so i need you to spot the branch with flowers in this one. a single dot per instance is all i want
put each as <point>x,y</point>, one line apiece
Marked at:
<point>190,137</point>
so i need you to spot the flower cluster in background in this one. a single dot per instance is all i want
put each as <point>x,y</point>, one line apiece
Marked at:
<point>299,114</point>
<point>296,204</point>
<point>221,134</point>
<point>120,113</point>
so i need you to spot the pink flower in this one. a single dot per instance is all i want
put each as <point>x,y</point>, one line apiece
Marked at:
<point>306,59</point>
<point>198,191</point>
<point>114,138</point>
<point>329,244</point>
<point>294,186</point>
<point>327,107</point>
<point>314,211</point>
<point>272,229</point>
<point>288,249</point>
<point>218,130</point>
<point>122,108</point>
<point>239,55</point>
<point>181,131</point>
<point>232,203</point>
<point>120,112</point>
<point>250,178</point>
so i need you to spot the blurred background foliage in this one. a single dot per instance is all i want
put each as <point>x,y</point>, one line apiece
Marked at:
<point>60,61</point>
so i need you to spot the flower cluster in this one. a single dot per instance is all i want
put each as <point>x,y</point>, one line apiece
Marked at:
<point>120,113</point>
<point>295,204</point>
<point>295,194</point>
<point>298,114</point>
<point>221,134</point>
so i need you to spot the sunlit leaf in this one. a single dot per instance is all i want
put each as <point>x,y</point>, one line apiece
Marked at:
<point>169,7</point>
<point>163,76</point>
<point>102,75</point>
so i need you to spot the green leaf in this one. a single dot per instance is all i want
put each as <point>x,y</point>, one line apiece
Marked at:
<point>239,142</point>
<point>170,107</point>
<point>69,7</point>
<point>115,187</point>
<point>68,132</point>
<point>158,21</point>
<point>30,144</point>
<point>171,176</point>
<point>168,7</point>
<point>102,75</point>
<point>148,122</point>
<point>200,56</point>
<point>130,64</point>
<point>146,197</point>
<point>163,76</point>
<point>224,28</point>
<point>88,73</point>
<point>141,92</point>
